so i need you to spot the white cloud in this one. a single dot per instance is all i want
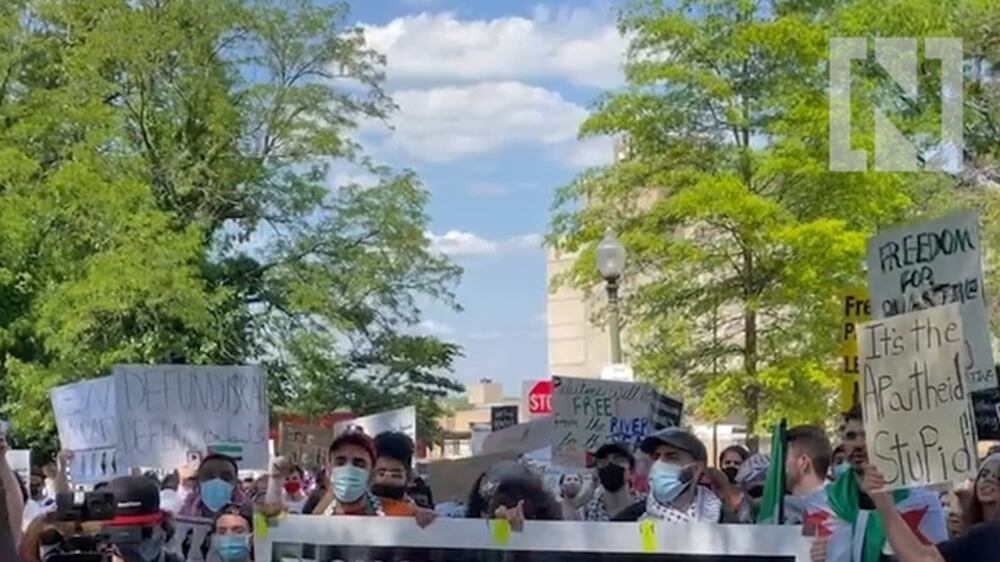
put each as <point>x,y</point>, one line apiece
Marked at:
<point>581,45</point>
<point>432,327</point>
<point>446,123</point>
<point>459,243</point>
<point>363,179</point>
<point>590,152</point>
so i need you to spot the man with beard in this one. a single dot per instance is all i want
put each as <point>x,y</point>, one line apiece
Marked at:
<point>614,465</point>
<point>919,507</point>
<point>807,461</point>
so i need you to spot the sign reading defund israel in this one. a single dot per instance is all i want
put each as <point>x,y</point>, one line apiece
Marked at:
<point>918,420</point>
<point>936,263</point>
<point>166,412</point>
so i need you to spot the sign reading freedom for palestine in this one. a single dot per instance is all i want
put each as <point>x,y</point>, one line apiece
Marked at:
<point>918,420</point>
<point>935,263</point>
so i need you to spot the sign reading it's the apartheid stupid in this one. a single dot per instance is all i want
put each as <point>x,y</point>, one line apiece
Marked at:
<point>935,263</point>
<point>360,539</point>
<point>919,425</point>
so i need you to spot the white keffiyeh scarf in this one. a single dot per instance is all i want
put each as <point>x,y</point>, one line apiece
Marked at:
<point>706,507</point>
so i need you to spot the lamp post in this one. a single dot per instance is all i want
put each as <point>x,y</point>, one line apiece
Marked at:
<point>611,263</point>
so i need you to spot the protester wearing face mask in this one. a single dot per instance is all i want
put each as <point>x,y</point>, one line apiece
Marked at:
<point>851,506</point>
<point>137,504</point>
<point>232,535</point>
<point>980,544</point>
<point>679,460</point>
<point>352,457</point>
<point>216,488</point>
<point>394,457</point>
<point>750,481</point>
<point>614,466</point>
<point>838,463</point>
<point>294,489</point>
<point>731,459</point>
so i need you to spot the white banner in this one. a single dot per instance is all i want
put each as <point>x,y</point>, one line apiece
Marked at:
<point>168,412</point>
<point>934,263</point>
<point>403,420</point>
<point>192,540</point>
<point>521,438</point>
<point>19,460</point>
<point>918,421</point>
<point>360,539</point>
<point>86,418</point>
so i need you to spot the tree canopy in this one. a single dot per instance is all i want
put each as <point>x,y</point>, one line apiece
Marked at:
<point>739,236</point>
<point>166,196</point>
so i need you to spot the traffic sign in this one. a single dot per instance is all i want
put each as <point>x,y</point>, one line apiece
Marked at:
<point>540,398</point>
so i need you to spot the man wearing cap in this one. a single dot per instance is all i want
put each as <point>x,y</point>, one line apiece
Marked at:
<point>614,465</point>
<point>137,505</point>
<point>679,461</point>
<point>352,457</point>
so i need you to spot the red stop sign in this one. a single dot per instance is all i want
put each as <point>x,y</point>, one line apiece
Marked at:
<point>540,398</point>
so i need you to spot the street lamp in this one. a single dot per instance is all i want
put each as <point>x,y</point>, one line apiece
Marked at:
<point>611,263</point>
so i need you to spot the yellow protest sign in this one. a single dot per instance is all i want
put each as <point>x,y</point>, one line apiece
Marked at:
<point>855,309</point>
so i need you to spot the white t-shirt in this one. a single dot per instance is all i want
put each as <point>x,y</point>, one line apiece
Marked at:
<point>33,509</point>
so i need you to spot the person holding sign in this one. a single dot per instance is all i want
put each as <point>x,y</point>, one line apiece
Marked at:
<point>352,457</point>
<point>615,466</point>
<point>217,478</point>
<point>393,466</point>
<point>679,460</point>
<point>980,544</point>
<point>232,536</point>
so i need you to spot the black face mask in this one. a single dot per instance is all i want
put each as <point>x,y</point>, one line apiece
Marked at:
<point>612,477</point>
<point>731,472</point>
<point>389,491</point>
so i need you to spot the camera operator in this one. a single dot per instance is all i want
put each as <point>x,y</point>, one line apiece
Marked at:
<point>137,533</point>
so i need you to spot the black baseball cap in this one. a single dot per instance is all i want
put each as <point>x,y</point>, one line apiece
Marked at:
<point>677,438</point>
<point>137,501</point>
<point>615,448</point>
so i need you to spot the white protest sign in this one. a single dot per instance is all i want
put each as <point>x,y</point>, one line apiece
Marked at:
<point>86,419</point>
<point>918,422</point>
<point>167,412</point>
<point>192,540</point>
<point>399,538</point>
<point>521,438</point>
<point>935,263</point>
<point>403,420</point>
<point>589,413</point>
<point>19,460</point>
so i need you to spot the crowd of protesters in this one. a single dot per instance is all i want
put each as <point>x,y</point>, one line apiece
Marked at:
<point>833,492</point>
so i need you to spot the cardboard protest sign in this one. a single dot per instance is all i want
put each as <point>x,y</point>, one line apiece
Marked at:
<point>169,412</point>
<point>403,420</point>
<point>452,480</point>
<point>590,413</point>
<point>935,263</point>
<point>87,422</point>
<point>304,445</point>
<point>986,408</point>
<point>521,438</point>
<point>360,539</point>
<point>19,460</point>
<point>502,417</point>
<point>918,421</point>
<point>192,540</point>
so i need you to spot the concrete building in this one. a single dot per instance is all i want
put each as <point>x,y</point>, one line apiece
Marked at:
<point>458,427</point>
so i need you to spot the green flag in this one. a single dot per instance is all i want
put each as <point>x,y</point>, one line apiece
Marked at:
<point>772,506</point>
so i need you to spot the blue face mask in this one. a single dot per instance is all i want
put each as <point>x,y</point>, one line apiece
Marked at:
<point>233,548</point>
<point>349,483</point>
<point>666,483</point>
<point>216,493</point>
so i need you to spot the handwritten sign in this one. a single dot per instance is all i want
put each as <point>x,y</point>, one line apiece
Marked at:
<point>166,412</point>
<point>589,413</point>
<point>86,419</point>
<point>936,263</point>
<point>856,308</point>
<point>192,540</point>
<point>304,445</point>
<point>403,420</point>
<point>502,417</point>
<point>918,422</point>
<point>986,408</point>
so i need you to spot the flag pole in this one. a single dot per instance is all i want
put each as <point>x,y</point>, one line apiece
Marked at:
<point>783,428</point>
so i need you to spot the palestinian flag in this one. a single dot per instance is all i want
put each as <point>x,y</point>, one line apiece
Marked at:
<point>920,508</point>
<point>231,450</point>
<point>772,507</point>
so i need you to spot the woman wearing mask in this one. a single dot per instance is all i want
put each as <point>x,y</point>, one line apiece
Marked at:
<point>751,480</point>
<point>679,460</point>
<point>614,467</point>
<point>232,536</point>
<point>217,487</point>
<point>731,459</point>
<point>294,488</point>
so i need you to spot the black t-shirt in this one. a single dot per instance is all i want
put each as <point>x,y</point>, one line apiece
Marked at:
<point>980,544</point>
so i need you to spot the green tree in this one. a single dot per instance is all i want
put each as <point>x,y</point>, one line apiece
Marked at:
<point>165,195</point>
<point>739,235</point>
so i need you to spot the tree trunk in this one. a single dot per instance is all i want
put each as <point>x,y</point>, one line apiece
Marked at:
<point>752,396</point>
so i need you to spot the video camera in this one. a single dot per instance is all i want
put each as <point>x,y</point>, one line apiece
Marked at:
<point>84,545</point>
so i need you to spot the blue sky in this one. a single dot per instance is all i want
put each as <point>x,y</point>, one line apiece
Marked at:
<point>491,95</point>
